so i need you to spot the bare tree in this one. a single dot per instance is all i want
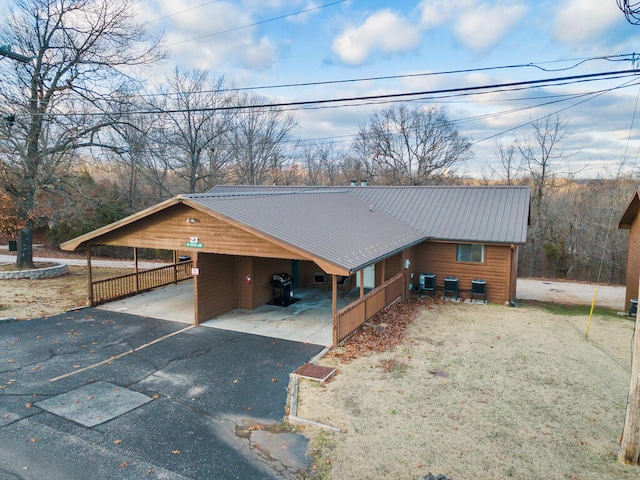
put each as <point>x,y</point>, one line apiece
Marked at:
<point>400,146</point>
<point>82,52</point>
<point>192,126</point>
<point>542,152</point>
<point>322,163</point>
<point>511,165</point>
<point>256,141</point>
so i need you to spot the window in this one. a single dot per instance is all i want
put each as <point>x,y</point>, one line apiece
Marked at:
<point>470,252</point>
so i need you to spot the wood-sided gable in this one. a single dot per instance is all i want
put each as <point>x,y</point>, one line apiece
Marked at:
<point>181,227</point>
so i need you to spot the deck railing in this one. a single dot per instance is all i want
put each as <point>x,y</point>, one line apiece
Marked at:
<point>125,285</point>
<point>355,314</point>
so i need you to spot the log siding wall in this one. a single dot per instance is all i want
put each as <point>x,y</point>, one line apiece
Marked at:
<point>440,258</point>
<point>633,262</point>
<point>215,286</point>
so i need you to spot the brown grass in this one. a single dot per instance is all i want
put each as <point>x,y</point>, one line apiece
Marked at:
<point>479,392</point>
<point>24,298</point>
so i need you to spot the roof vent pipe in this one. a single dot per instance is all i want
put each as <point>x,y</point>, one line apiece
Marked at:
<point>363,183</point>
<point>354,183</point>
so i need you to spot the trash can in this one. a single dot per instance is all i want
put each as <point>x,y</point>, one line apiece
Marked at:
<point>451,287</point>
<point>479,288</point>
<point>13,245</point>
<point>633,307</point>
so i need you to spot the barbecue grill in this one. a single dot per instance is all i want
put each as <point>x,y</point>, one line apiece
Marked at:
<point>281,287</point>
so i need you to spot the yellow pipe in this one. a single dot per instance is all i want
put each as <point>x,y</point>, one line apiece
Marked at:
<point>593,304</point>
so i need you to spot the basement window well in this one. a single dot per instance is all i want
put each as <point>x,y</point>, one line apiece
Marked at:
<point>470,252</point>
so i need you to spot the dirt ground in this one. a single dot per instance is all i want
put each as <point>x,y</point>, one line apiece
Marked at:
<point>479,392</point>
<point>24,299</point>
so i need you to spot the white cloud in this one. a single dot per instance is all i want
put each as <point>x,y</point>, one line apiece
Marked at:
<point>477,26</point>
<point>581,20</point>
<point>192,36</point>
<point>384,31</point>
<point>484,27</point>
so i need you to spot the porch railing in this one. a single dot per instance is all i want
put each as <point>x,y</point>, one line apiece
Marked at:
<point>126,285</point>
<point>355,314</point>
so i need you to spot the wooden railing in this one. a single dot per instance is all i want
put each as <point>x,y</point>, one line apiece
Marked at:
<point>125,285</point>
<point>355,314</point>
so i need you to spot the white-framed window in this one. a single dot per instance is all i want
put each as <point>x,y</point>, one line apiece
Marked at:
<point>470,252</point>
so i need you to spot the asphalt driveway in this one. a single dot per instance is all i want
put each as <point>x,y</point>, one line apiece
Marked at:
<point>97,394</point>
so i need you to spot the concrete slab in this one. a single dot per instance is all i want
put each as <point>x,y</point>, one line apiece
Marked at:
<point>94,404</point>
<point>307,320</point>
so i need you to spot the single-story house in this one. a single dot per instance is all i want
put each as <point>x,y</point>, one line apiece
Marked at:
<point>379,239</point>
<point>629,222</point>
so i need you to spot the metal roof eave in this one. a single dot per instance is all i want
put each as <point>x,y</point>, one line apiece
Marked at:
<point>387,255</point>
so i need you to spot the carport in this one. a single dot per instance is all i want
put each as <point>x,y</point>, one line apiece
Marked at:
<point>237,243</point>
<point>308,320</point>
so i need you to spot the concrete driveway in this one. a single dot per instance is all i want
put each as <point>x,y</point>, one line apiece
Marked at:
<point>98,394</point>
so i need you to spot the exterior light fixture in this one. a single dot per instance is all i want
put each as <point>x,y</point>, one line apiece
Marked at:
<point>191,220</point>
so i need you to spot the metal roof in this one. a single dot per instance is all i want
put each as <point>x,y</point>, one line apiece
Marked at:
<point>488,214</point>
<point>335,226</point>
<point>352,227</point>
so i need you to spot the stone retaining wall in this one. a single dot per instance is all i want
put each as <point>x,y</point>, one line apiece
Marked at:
<point>37,273</point>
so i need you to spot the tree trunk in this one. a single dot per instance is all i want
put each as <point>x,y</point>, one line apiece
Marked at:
<point>24,256</point>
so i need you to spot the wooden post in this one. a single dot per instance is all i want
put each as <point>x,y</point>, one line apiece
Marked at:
<point>175,266</point>
<point>89,277</point>
<point>334,307</point>
<point>135,267</point>
<point>629,451</point>
<point>361,273</point>
<point>383,272</point>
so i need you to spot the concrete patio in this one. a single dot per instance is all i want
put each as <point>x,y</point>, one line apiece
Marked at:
<point>307,320</point>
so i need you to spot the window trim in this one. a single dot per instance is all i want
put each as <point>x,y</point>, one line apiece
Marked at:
<point>470,258</point>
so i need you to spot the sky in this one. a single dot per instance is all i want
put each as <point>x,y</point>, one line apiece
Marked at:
<point>262,43</point>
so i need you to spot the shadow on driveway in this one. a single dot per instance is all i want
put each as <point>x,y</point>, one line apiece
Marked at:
<point>182,407</point>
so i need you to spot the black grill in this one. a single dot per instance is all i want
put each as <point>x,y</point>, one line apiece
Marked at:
<point>281,286</point>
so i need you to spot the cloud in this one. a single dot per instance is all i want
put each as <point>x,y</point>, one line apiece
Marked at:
<point>484,27</point>
<point>192,36</point>
<point>384,31</point>
<point>478,26</point>
<point>581,20</point>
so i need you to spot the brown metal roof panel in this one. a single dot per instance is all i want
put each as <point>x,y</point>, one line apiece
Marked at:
<point>487,214</point>
<point>336,227</point>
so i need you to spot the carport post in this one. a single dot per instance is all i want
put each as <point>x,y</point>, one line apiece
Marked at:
<point>334,308</point>
<point>362,283</point>
<point>89,277</point>
<point>135,267</point>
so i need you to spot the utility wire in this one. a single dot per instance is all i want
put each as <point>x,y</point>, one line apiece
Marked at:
<point>402,96</point>
<point>262,22</point>
<point>627,57</point>
<point>180,12</point>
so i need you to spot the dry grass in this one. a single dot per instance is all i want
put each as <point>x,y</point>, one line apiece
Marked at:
<point>527,397</point>
<point>24,298</point>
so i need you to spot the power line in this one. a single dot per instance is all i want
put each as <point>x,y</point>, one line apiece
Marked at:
<point>630,57</point>
<point>181,11</point>
<point>262,22</point>
<point>402,96</point>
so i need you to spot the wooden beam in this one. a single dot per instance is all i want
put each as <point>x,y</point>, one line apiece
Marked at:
<point>89,277</point>
<point>334,307</point>
<point>361,273</point>
<point>135,267</point>
<point>629,451</point>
